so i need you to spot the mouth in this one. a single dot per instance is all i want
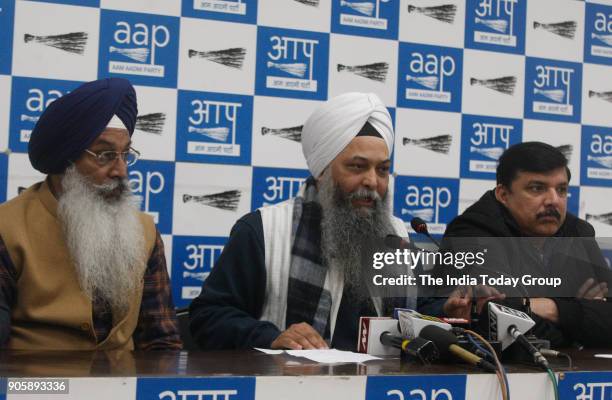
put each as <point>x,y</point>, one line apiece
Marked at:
<point>363,203</point>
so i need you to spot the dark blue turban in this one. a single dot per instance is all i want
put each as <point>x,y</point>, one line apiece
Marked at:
<point>71,123</point>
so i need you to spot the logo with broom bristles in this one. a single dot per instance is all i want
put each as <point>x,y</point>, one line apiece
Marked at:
<point>496,22</point>
<point>443,13</point>
<point>73,42</point>
<point>598,34</point>
<point>232,58</point>
<point>375,71</point>
<point>597,153</point>
<point>565,29</point>
<point>137,44</point>
<point>290,63</point>
<point>483,141</point>
<point>553,89</point>
<point>227,200</point>
<point>212,128</point>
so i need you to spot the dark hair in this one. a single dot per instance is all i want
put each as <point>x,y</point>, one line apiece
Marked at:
<point>529,157</point>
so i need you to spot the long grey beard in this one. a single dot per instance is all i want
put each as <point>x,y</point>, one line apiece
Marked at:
<point>348,234</point>
<point>104,237</point>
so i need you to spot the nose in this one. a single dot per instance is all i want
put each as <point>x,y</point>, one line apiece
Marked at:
<point>370,179</point>
<point>552,198</point>
<point>118,168</point>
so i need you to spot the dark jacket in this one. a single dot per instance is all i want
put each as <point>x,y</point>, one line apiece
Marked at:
<point>575,260</point>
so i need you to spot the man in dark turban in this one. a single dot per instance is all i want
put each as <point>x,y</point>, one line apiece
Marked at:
<point>81,267</point>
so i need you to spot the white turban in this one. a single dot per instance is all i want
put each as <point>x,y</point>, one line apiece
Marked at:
<point>332,126</point>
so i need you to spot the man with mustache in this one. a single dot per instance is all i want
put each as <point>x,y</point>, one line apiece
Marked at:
<point>527,210</point>
<point>81,268</point>
<point>292,274</point>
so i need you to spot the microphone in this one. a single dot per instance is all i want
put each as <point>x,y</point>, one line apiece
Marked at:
<point>538,358</point>
<point>507,326</point>
<point>421,349</point>
<point>420,226</point>
<point>446,343</point>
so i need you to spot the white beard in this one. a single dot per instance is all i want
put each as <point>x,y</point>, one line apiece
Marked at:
<point>104,237</point>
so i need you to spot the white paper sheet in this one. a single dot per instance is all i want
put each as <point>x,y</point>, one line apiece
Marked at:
<point>328,356</point>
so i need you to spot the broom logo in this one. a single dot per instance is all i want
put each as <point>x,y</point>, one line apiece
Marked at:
<point>604,161</point>
<point>606,39</point>
<point>605,96</point>
<point>425,213</point>
<point>426,77</point>
<point>365,14</point>
<point>221,6</point>
<point>228,200</point>
<point>489,152</point>
<point>135,48</point>
<point>503,85</point>
<point>290,64</point>
<point>487,143</point>
<point>151,123</point>
<point>444,13</point>
<point>552,90</point>
<point>566,29</point>
<point>74,42</point>
<point>200,276</point>
<point>566,150</point>
<point>438,144</point>
<point>603,218</point>
<point>293,133</point>
<point>311,3</point>
<point>376,71</point>
<point>494,25</point>
<point>232,58</point>
<point>215,122</point>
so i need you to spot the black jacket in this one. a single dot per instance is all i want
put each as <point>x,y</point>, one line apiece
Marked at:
<point>588,322</point>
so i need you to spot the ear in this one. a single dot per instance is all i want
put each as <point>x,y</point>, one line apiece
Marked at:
<point>501,194</point>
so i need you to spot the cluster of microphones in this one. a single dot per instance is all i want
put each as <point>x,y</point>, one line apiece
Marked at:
<point>427,339</point>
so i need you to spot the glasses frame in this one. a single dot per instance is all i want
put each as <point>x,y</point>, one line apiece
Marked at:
<point>97,156</point>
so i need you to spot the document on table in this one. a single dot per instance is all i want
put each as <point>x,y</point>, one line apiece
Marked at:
<point>328,356</point>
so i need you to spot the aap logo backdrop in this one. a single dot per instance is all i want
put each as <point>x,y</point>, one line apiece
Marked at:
<point>273,185</point>
<point>193,258</point>
<point>222,10</point>
<point>214,127</point>
<point>579,385</point>
<point>200,388</point>
<point>378,18</point>
<point>429,77</point>
<point>496,25</point>
<point>140,47</point>
<point>154,182</point>
<point>29,98</point>
<point>435,200</point>
<point>291,63</point>
<point>412,387</point>
<point>598,34</point>
<point>596,149</point>
<point>483,140</point>
<point>553,90</point>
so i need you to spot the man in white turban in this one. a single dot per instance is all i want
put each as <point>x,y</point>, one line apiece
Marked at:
<point>292,275</point>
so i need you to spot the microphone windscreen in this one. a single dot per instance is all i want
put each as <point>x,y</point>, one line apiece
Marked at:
<point>440,337</point>
<point>393,242</point>
<point>418,225</point>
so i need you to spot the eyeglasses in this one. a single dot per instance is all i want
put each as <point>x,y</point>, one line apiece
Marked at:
<point>106,157</point>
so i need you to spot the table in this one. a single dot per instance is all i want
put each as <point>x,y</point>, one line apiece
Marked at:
<point>236,375</point>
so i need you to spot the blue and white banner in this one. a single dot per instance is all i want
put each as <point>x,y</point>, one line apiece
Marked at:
<point>224,88</point>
